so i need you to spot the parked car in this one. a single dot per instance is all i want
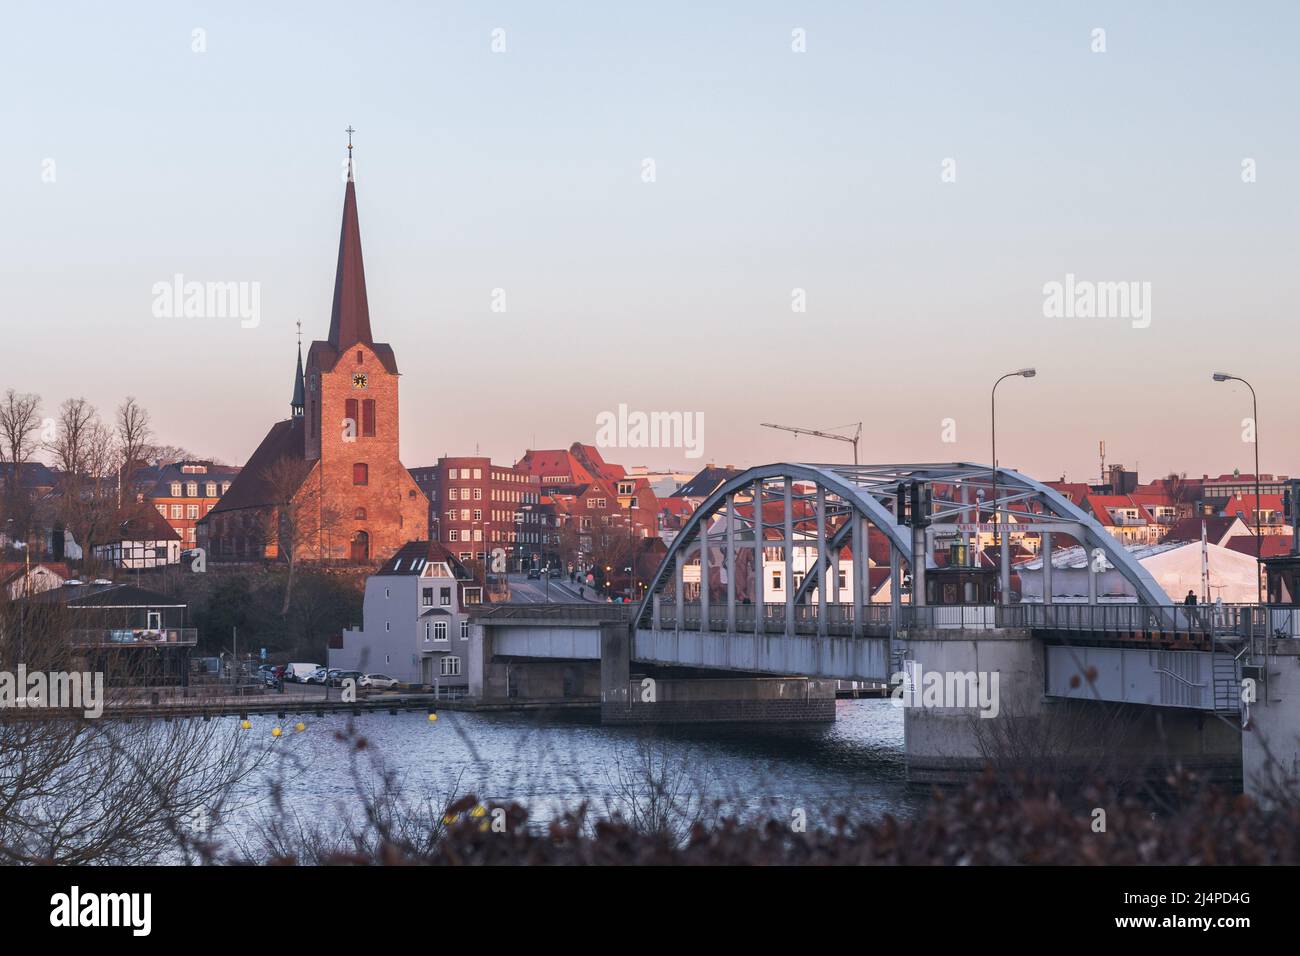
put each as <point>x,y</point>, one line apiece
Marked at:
<point>534,574</point>
<point>378,682</point>
<point>337,677</point>
<point>318,676</point>
<point>298,673</point>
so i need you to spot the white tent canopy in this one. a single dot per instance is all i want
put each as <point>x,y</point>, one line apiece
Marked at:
<point>1176,566</point>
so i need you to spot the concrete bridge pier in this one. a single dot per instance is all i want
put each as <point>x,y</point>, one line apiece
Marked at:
<point>1010,724</point>
<point>1270,745</point>
<point>664,695</point>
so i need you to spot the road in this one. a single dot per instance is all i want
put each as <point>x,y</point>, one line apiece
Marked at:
<point>524,591</point>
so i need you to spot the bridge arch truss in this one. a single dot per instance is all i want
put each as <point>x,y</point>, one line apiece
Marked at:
<point>820,512</point>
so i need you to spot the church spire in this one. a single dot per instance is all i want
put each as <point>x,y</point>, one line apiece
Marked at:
<point>299,399</point>
<point>350,317</point>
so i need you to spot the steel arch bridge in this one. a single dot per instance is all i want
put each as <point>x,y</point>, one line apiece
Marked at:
<point>819,510</point>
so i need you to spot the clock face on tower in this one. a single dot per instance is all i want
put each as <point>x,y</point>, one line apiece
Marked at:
<point>359,380</point>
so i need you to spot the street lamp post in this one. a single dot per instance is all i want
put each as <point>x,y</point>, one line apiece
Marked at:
<point>1254,411</point>
<point>993,418</point>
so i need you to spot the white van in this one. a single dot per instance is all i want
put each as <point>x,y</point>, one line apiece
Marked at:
<point>298,673</point>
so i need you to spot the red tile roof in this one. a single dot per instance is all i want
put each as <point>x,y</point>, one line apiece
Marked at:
<point>1271,545</point>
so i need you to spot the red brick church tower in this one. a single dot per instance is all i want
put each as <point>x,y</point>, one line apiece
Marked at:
<point>355,501</point>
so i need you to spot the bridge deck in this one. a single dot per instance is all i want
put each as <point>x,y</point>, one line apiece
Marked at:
<point>1204,624</point>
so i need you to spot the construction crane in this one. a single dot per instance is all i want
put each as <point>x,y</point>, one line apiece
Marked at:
<point>857,433</point>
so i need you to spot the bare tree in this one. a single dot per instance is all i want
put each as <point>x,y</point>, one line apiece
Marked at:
<point>170,454</point>
<point>134,437</point>
<point>19,424</point>
<point>83,450</point>
<point>86,790</point>
<point>297,517</point>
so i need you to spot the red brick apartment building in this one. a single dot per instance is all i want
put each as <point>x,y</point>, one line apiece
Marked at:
<point>476,506</point>
<point>184,492</point>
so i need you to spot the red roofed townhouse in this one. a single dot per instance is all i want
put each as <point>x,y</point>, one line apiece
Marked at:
<point>1242,505</point>
<point>566,470</point>
<point>1126,520</point>
<point>328,481</point>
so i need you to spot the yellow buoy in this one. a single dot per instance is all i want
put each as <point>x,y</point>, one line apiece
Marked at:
<point>300,726</point>
<point>246,724</point>
<point>448,819</point>
<point>478,811</point>
<point>276,732</point>
<point>433,716</point>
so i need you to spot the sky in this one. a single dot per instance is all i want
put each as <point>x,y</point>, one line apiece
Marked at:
<point>920,172</point>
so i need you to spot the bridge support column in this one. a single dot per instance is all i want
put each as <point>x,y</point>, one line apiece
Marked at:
<point>821,562</point>
<point>859,559</point>
<point>1045,551</point>
<point>615,671</point>
<point>759,599</point>
<point>787,534</point>
<point>731,564</point>
<point>1004,569</point>
<point>918,567</point>
<point>704,575</point>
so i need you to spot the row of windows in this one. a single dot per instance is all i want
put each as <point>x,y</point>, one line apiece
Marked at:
<point>798,579</point>
<point>456,534</point>
<point>437,630</point>
<point>182,511</point>
<point>476,474</point>
<point>191,489</point>
<point>498,494</point>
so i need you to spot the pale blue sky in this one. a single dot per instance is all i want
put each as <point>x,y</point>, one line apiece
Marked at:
<point>775,170</point>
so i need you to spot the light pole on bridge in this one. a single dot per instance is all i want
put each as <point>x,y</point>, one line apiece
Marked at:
<point>1254,431</point>
<point>993,419</point>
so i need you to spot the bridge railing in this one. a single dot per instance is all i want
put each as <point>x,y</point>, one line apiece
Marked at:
<point>586,611</point>
<point>839,618</point>
<point>1208,621</point>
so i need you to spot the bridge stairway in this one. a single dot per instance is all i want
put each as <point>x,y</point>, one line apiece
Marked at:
<point>895,660</point>
<point>1227,687</point>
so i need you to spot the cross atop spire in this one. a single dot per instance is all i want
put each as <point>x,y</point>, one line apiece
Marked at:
<point>349,131</point>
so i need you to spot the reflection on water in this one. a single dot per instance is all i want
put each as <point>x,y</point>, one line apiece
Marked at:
<point>548,764</point>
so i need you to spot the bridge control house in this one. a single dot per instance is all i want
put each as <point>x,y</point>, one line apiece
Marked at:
<point>415,620</point>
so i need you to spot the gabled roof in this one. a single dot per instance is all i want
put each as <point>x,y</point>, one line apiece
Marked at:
<point>414,556</point>
<point>105,595</point>
<point>1270,545</point>
<point>706,482</point>
<point>1217,528</point>
<point>141,523</point>
<point>251,489</point>
<point>1244,505</point>
<point>1099,505</point>
<point>31,474</point>
<point>14,570</point>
